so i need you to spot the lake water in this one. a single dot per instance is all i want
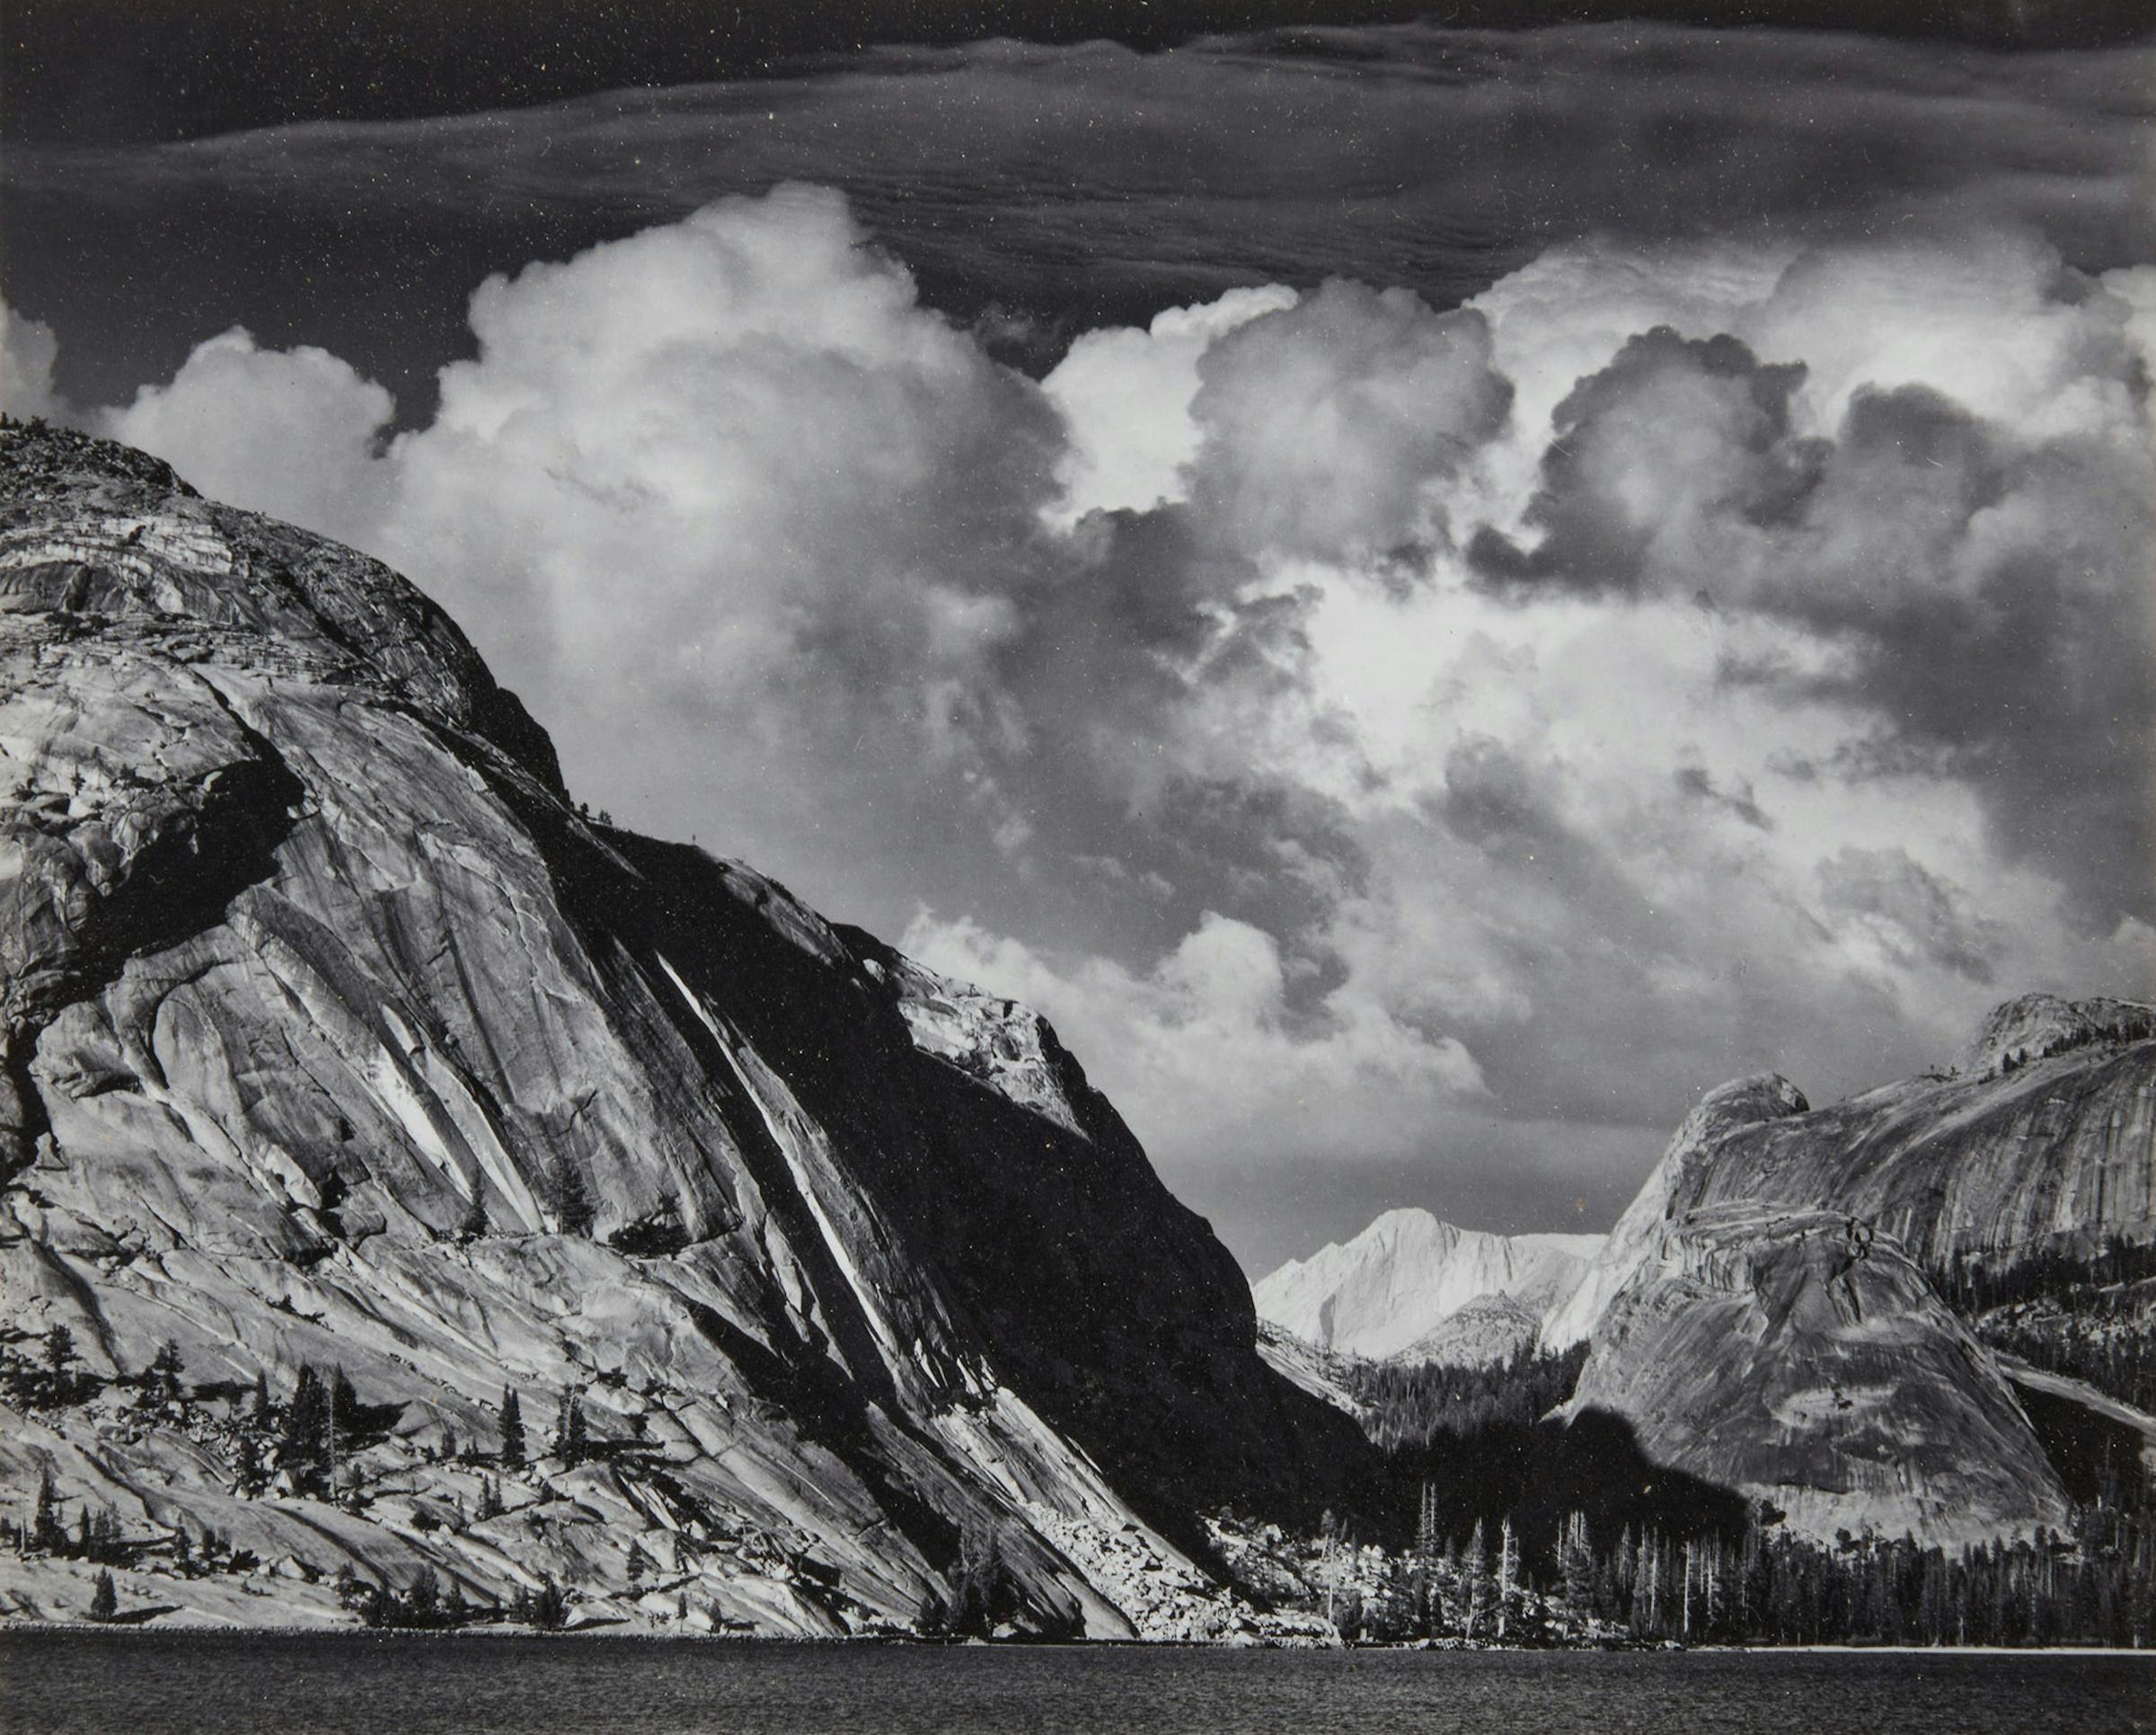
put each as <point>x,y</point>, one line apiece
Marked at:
<point>147,1684</point>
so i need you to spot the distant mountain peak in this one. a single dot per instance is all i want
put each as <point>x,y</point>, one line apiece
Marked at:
<point>1391,1287</point>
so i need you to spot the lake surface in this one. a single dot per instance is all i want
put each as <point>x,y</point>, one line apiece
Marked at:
<point>147,1684</point>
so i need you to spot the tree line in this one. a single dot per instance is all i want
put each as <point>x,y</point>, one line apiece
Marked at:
<point>1411,1403</point>
<point>1971,1283</point>
<point>307,1444</point>
<point>2086,1315</point>
<point>1495,1522</point>
<point>2094,1584</point>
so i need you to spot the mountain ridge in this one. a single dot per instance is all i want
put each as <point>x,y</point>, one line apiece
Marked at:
<point>1392,1286</point>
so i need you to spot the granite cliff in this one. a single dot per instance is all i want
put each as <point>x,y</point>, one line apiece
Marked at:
<point>2040,1141</point>
<point>1791,1305</point>
<point>334,1034</point>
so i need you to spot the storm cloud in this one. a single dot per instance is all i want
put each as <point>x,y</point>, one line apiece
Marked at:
<point>1057,190</point>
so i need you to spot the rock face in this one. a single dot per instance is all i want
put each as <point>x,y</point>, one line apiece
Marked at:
<point>1745,1103</point>
<point>1798,1358</point>
<point>333,1032</point>
<point>1837,1383</point>
<point>1387,1292</point>
<point>1318,1372</point>
<point>2042,1142</point>
<point>1488,1331</point>
<point>2037,1026</point>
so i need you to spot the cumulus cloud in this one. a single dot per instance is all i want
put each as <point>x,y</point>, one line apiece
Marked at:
<point>1676,440</point>
<point>1376,734</point>
<point>747,424</point>
<point>1125,393</point>
<point>1959,509</point>
<point>1328,429</point>
<point>286,431</point>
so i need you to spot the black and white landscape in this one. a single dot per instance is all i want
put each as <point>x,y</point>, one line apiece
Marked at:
<point>1344,831</point>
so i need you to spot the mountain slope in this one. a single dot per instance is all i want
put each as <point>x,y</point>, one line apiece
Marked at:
<point>1797,1358</point>
<point>1768,1311</point>
<point>334,1034</point>
<point>2041,1142</point>
<point>1401,1278</point>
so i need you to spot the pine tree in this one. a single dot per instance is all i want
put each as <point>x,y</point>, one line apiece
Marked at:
<point>104,1598</point>
<point>571,1441</point>
<point>1647,1586</point>
<point>568,1196</point>
<point>247,1464</point>
<point>474,1224</point>
<point>1474,1581</point>
<point>1328,1532</point>
<point>512,1428</point>
<point>45,1525</point>
<point>59,1351</point>
<point>306,1423</point>
<point>1575,1562</point>
<point>549,1607</point>
<point>1508,1575</point>
<point>166,1369</point>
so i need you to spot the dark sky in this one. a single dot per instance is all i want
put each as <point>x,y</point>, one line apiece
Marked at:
<point>1428,594</point>
<point>107,71</point>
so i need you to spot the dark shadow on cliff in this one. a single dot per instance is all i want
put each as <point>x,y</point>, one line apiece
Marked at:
<point>1102,1301</point>
<point>1537,1472</point>
<point>2098,1457</point>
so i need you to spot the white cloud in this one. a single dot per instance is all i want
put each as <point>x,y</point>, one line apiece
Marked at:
<point>1173,683</point>
<point>1125,396</point>
<point>1328,429</point>
<point>1992,320</point>
<point>719,451</point>
<point>290,432</point>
